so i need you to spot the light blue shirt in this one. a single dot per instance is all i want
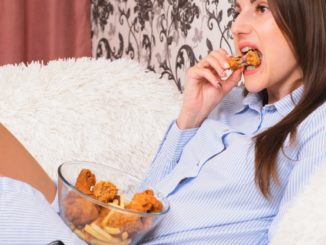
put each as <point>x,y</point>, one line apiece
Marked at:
<point>26,217</point>
<point>207,173</point>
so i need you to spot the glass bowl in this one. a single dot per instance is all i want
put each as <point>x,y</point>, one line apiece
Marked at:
<point>101,222</point>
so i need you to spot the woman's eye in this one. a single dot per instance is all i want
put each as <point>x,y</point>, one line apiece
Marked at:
<point>262,8</point>
<point>235,14</point>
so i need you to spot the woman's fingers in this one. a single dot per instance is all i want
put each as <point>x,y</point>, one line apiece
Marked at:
<point>217,59</point>
<point>232,81</point>
<point>213,69</point>
<point>208,74</point>
<point>216,65</point>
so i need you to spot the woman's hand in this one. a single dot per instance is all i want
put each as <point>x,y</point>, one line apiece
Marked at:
<point>205,88</point>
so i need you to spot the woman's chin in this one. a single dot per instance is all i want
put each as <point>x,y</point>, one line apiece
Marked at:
<point>252,87</point>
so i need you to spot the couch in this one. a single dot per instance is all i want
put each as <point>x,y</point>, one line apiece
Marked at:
<point>116,113</point>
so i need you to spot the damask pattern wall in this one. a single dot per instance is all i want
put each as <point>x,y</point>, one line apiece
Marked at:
<point>167,36</point>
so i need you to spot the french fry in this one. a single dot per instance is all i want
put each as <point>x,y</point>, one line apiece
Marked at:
<point>102,232</point>
<point>107,217</point>
<point>97,242</point>
<point>128,241</point>
<point>122,201</point>
<point>124,235</point>
<point>112,230</point>
<point>89,229</point>
<point>115,202</point>
<point>80,233</point>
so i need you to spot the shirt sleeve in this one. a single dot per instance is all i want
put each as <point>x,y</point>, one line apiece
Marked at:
<point>312,157</point>
<point>168,153</point>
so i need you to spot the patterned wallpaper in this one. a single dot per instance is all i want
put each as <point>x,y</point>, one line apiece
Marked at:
<point>167,36</point>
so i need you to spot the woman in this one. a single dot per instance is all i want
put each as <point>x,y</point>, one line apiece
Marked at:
<point>230,164</point>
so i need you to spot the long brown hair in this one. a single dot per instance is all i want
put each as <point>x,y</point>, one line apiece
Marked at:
<point>303,23</point>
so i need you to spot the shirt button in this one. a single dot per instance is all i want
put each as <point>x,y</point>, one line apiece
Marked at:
<point>197,163</point>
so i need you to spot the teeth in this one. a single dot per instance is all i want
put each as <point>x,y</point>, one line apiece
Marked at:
<point>245,49</point>
<point>249,68</point>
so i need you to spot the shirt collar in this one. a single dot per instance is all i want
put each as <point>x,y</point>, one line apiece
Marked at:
<point>288,102</point>
<point>283,106</point>
<point>252,101</point>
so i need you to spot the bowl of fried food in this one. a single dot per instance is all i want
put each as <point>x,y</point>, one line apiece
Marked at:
<point>104,205</point>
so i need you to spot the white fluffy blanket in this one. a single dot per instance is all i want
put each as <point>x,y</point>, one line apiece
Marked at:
<point>115,113</point>
<point>87,109</point>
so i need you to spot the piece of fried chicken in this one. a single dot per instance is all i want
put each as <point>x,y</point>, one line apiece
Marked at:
<point>251,58</point>
<point>145,202</point>
<point>85,181</point>
<point>105,191</point>
<point>79,210</point>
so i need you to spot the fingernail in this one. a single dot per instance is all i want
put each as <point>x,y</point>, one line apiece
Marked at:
<point>226,65</point>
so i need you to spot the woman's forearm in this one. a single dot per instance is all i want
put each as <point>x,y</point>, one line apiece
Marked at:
<point>17,163</point>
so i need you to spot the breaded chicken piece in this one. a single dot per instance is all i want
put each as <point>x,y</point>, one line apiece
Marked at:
<point>145,202</point>
<point>251,58</point>
<point>125,222</point>
<point>105,191</point>
<point>234,63</point>
<point>85,180</point>
<point>80,211</point>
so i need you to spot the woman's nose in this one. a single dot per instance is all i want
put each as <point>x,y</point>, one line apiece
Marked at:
<point>241,25</point>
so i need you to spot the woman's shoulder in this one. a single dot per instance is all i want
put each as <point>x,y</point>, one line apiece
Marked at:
<point>316,118</point>
<point>314,123</point>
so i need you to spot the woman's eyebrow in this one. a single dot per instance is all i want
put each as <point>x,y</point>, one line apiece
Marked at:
<point>237,5</point>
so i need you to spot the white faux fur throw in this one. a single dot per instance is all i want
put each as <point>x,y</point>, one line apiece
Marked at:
<point>115,113</point>
<point>86,109</point>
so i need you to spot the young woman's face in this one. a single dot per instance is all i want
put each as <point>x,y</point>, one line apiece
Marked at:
<point>254,27</point>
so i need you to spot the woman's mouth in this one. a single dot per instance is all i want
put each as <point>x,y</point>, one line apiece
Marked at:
<point>250,59</point>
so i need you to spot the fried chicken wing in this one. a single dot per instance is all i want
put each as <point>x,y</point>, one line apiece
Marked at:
<point>85,180</point>
<point>126,222</point>
<point>234,63</point>
<point>79,210</point>
<point>251,58</point>
<point>145,202</point>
